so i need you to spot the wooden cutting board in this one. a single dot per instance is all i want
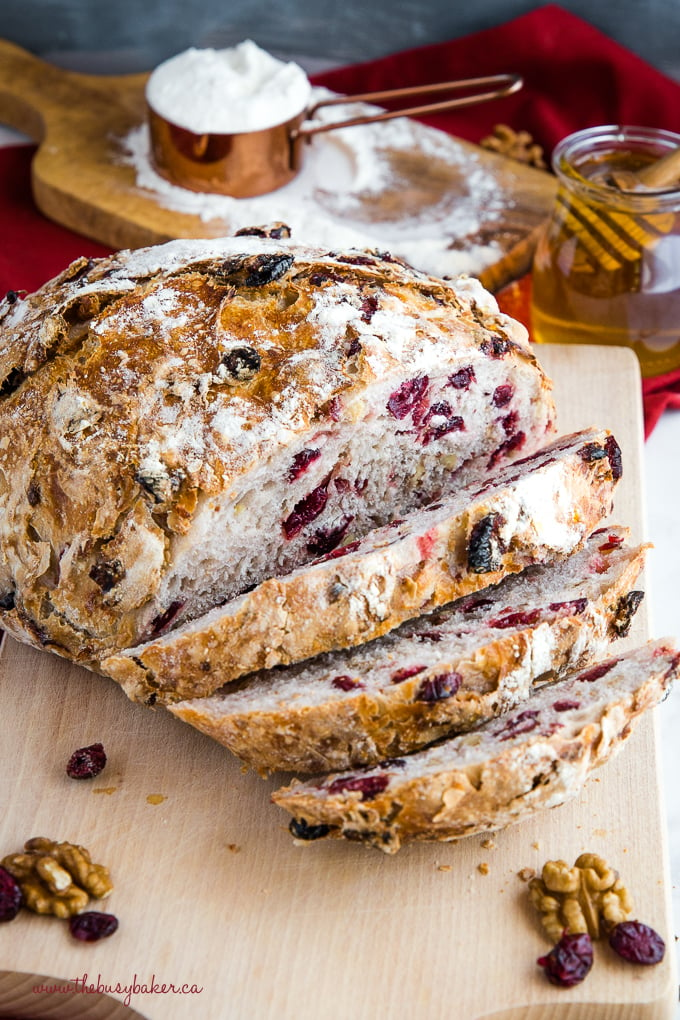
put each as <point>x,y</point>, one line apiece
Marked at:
<point>79,179</point>
<point>211,892</point>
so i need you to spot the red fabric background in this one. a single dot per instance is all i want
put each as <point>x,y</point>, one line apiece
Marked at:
<point>574,76</point>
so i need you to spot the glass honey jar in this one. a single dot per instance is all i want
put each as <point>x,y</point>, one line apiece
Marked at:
<point>607,267</point>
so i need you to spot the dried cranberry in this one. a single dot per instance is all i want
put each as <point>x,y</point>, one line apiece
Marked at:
<point>107,574</point>
<point>525,722</point>
<point>11,896</point>
<point>407,397</point>
<point>513,442</point>
<point>484,546</point>
<point>354,348</point>
<point>306,510</point>
<point>346,683</point>
<point>592,451</point>
<point>461,379</point>
<point>496,347</point>
<point>573,608</point>
<point>300,829</point>
<point>241,363</point>
<point>626,609</point>
<point>334,409</point>
<point>597,671</point>
<point>637,942</point>
<point>325,540</point>
<point>509,422</point>
<point>342,551</point>
<point>301,462</point>
<point>613,542</point>
<point>405,673</point>
<point>367,786</point>
<point>439,688</point>
<point>163,620</point>
<point>86,762</point>
<point>502,395</point>
<point>569,962</point>
<point>519,619</point>
<point>263,269</point>
<point>474,604</point>
<point>453,424</point>
<point>92,926</point>
<point>566,705</point>
<point>615,460</point>
<point>369,306</point>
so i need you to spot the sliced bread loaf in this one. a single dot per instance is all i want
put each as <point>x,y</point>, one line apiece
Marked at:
<point>536,757</point>
<point>181,422</point>
<point>537,510</point>
<point>447,671</point>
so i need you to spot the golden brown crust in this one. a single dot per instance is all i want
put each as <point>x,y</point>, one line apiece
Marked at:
<point>511,780</point>
<point>399,574</point>
<point>362,727</point>
<point>113,394</point>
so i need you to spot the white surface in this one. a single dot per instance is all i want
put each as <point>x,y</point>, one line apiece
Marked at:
<point>662,482</point>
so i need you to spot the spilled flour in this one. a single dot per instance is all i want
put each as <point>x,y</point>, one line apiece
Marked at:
<point>396,185</point>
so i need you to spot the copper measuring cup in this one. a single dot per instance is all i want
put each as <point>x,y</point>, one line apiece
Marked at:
<point>249,163</point>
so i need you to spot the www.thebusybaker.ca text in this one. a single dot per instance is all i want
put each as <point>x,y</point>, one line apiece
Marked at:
<point>85,986</point>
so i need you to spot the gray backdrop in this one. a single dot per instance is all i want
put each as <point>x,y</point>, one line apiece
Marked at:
<point>129,35</point>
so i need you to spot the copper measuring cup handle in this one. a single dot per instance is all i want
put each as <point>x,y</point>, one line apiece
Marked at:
<point>495,86</point>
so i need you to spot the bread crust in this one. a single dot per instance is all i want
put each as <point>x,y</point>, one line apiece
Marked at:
<point>353,727</point>
<point>543,509</point>
<point>507,783</point>
<point>122,416</point>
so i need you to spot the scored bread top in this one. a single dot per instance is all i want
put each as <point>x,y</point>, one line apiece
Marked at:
<point>138,392</point>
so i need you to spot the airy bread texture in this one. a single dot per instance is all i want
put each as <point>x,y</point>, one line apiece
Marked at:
<point>180,423</point>
<point>533,758</point>
<point>445,672</point>
<point>538,510</point>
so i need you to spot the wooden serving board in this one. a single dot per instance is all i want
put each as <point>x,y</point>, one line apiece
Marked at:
<point>79,179</point>
<point>211,892</point>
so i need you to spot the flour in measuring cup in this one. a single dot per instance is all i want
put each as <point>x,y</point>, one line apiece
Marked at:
<point>228,91</point>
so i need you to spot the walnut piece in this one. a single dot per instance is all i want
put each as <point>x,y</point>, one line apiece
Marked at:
<point>580,900</point>
<point>57,878</point>
<point>517,145</point>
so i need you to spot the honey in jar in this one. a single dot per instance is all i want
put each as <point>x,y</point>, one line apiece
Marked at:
<point>607,267</point>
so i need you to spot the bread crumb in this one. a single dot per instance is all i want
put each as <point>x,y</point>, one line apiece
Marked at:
<point>483,868</point>
<point>536,845</point>
<point>155,798</point>
<point>234,847</point>
<point>443,867</point>
<point>488,844</point>
<point>105,789</point>
<point>526,874</point>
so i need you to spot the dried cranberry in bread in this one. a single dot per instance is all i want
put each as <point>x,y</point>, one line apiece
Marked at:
<point>540,509</point>
<point>447,671</point>
<point>183,421</point>
<point>537,756</point>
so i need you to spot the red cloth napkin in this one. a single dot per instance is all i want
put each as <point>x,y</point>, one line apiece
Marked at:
<point>574,76</point>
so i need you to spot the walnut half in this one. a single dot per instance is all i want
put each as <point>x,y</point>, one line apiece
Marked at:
<point>57,878</point>
<point>579,899</point>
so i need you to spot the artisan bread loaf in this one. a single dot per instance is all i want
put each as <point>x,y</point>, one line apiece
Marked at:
<point>181,422</point>
<point>535,757</point>
<point>447,671</point>
<point>540,509</point>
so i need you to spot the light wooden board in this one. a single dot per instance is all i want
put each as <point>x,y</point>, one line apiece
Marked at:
<point>210,890</point>
<point>80,181</point>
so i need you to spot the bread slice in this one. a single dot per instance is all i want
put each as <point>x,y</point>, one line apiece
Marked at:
<point>190,419</point>
<point>540,509</point>
<point>536,757</point>
<point>445,672</point>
